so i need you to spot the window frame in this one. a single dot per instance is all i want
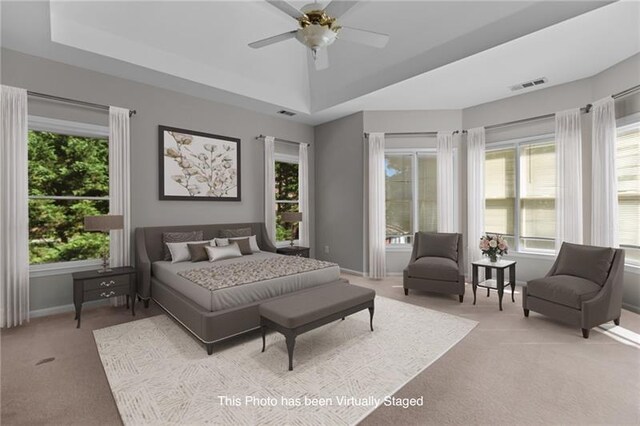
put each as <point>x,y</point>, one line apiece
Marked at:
<point>53,125</point>
<point>622,124</point>
<point>291,159</point>
<point>415,153</point>
<point>517,144</point>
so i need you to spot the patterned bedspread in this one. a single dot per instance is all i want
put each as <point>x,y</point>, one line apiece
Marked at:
<point>228,275</point>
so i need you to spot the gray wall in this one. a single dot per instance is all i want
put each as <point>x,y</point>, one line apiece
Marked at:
<point>409,121</point>
<point>557,98</point>
<point>621,76</point>
<point>154,106</point>
<point>339,192</point>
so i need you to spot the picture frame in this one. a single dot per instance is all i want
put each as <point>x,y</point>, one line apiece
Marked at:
<point>198,166</point>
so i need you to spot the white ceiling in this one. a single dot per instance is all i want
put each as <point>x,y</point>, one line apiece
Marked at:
<point>442,55</point>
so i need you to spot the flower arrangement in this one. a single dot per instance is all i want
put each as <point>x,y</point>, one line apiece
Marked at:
<point>493,245</point>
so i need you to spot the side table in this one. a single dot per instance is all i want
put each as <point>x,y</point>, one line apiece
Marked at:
<point>497,284</point>
<point>294,251</point>
<point>93,285</point>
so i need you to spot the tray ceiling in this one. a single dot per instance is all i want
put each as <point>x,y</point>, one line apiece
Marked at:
<point>455,54</point>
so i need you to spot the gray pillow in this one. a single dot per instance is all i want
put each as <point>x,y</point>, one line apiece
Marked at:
<point>198,252</point>
<point>589,262</point>
<point>178,237</point>
<point>431,244</point>
<point>237,232</point>
<point>244,245</point>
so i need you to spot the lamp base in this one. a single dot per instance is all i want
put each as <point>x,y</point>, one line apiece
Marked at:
<point>105,265</point>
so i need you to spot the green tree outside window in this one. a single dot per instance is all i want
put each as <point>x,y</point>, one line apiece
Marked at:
<point>68,180</point>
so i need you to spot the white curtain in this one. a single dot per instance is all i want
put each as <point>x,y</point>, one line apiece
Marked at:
<point>14,205</point>
<point>446,191</point>
<point>604,185</point>
<point>303,193</point>
<point>569,177</point>
<point>475,193</point>
<point>270,187</point>
<point>377,219</point>
<point>120,187</point>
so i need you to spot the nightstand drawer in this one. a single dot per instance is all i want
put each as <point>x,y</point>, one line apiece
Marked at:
<point>106,293</point>
<point>106,282</point>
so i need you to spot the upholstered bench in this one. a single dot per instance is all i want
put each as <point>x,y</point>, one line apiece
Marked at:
<point>304,311</point>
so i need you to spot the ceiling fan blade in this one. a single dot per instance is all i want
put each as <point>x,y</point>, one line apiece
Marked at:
<point>321,60</point>
<point>369,38</point>
<point>337,8</point>
<point>271,40</point>
<point>286,8</point>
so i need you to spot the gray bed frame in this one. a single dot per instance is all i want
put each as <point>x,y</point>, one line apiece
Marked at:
<point>208,327</point>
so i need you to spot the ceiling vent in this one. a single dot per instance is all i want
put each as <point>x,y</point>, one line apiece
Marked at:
<point>529,84</point>
<point>287,113</point>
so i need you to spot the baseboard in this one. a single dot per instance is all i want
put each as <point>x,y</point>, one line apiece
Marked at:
<point>395,274</point>
<point>352,272</point>
<point>64,309</point>
<point>632,308</point>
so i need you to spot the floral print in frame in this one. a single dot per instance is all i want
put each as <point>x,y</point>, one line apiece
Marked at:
<point>198,166</point>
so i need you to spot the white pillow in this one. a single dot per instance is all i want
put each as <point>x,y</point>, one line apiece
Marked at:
<point>180,251</point>
<point>253,243</point>
<point>221,242</point>
<point>226,252</point>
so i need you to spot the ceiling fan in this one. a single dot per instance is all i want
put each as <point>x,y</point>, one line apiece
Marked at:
<point>319,29</point>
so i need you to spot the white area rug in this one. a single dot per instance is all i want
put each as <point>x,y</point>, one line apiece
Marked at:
<point>159,374</point>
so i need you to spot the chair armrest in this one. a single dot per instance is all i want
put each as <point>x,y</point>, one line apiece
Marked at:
<point>414,250</point>
<point>552,271</point>
<point>606,305</point>
<point>143,265</point>
<point>461,265</point>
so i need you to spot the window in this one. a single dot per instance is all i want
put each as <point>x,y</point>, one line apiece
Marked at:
<point>68,180</point>
<point>286,195</point>
<point>411,195</point>
<point>628,165</point>
<point>520,179</point>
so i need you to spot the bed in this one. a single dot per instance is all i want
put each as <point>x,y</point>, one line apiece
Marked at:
<point>214,314</point>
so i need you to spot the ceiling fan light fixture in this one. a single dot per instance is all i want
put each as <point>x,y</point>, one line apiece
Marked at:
<point>316,36</point>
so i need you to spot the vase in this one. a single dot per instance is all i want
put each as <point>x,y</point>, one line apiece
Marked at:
<point>493,258</point>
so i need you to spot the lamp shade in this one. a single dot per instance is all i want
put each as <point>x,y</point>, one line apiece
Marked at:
<point>291,216</point>
<point>103,223</point>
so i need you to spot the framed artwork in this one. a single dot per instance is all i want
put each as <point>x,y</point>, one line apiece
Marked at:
<point>198,166</point>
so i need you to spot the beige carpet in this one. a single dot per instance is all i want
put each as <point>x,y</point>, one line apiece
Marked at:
<point>342,371</point>
<point>508,370</point>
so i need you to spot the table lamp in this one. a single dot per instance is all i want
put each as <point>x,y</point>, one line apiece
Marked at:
<point>104,223</point>
<point>292,217</point>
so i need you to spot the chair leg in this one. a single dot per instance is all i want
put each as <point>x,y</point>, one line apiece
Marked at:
<point>461,297</point>
<point>585,333</point>
<point>526,312</point>
<point>616,321</point>
<point>406,291</point>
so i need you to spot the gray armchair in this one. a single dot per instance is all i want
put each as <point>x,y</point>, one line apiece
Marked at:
<point>583,287</point>
<point>436,264</point>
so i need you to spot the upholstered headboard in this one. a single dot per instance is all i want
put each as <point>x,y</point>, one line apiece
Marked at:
<point>149,249</point>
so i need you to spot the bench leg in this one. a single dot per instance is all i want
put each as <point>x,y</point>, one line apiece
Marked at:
<point>209,348</point>
<point>264,332</point>
<point>291,343</point>
<point>371,317</point>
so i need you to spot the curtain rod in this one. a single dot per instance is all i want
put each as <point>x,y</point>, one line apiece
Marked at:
<point>586,109</point>
<point>73,101</point>
<point>366,134</point>
<point>261,137</point>
<point>626,92</point>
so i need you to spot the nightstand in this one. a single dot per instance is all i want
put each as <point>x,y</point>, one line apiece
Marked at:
<point>294,251</point>
<point>92,285</point>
